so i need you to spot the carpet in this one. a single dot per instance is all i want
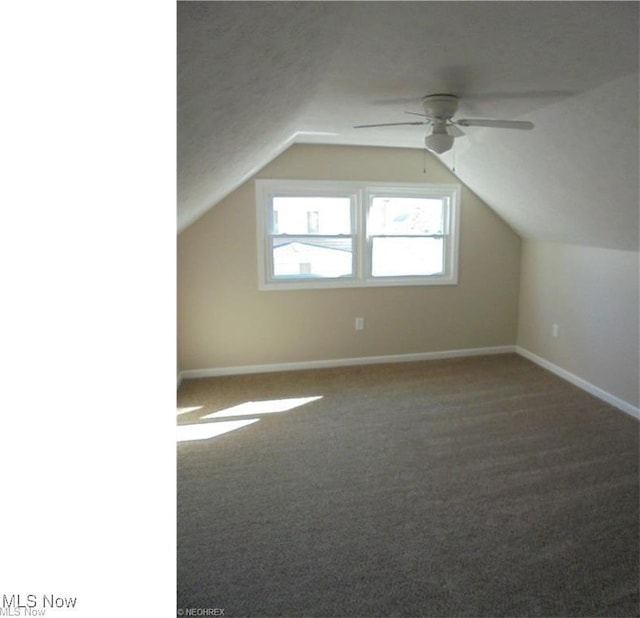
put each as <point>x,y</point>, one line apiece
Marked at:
<point>481,486</point>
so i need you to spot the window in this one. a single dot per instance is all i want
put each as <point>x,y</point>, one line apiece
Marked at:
<point>318,234</point>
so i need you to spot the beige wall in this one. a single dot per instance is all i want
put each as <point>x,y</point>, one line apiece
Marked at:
<point>592,294</point>
<point>225,321</point>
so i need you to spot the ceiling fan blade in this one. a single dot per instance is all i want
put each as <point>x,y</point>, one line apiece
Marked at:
<point>496,124</point>
<point>388,124</point>
<point>452,129</point>
<point>417,114</point>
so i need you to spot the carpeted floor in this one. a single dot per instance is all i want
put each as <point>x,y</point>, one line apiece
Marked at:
<point>466,487</point>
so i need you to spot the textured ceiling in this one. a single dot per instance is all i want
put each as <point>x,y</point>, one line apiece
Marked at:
<point>255,77</point>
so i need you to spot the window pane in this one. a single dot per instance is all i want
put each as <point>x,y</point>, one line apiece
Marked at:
<point>320,258</point>
<point>311,215</point>
<point>405,215</point>
<point>397,257</point>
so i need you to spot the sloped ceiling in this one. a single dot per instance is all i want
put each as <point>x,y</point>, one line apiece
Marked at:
<point>256,77</point>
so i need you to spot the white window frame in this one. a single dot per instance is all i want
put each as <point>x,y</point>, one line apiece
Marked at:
<point>360,194</point>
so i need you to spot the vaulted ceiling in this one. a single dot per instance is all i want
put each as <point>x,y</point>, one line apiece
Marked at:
<point>256,77</point>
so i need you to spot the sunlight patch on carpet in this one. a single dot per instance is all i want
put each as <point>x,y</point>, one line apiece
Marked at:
<point>263,407</point>
<point>191,409</point>
<point>204,431</point>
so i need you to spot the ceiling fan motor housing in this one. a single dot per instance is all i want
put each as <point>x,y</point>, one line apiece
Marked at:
<point>442,106</point>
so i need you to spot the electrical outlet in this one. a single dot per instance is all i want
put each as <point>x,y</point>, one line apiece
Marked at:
<point>555,331</point>
<point>359,323</point>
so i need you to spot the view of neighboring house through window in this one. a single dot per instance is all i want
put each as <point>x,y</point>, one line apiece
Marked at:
<point>312,236</point>
<point>339,234</point>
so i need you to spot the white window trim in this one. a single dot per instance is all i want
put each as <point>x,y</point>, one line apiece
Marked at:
<point>360,194</point>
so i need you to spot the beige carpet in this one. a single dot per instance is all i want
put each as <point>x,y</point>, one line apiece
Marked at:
<point>469,487</point>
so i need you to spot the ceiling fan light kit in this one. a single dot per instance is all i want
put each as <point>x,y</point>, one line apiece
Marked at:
<point>439,110</point>
<point>439,142</point>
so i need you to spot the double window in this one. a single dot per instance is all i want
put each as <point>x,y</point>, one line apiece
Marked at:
<point>319,234</point>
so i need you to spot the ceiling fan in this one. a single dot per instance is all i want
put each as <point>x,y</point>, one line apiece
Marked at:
<point>439,112</point>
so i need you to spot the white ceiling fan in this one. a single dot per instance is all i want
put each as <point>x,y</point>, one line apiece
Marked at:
<point>439,112</point>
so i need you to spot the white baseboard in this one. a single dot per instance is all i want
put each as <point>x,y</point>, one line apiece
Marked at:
<point>342,362</point>
<point>592,389</point>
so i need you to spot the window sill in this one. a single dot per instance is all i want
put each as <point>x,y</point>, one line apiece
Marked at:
<point>354,283</point>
